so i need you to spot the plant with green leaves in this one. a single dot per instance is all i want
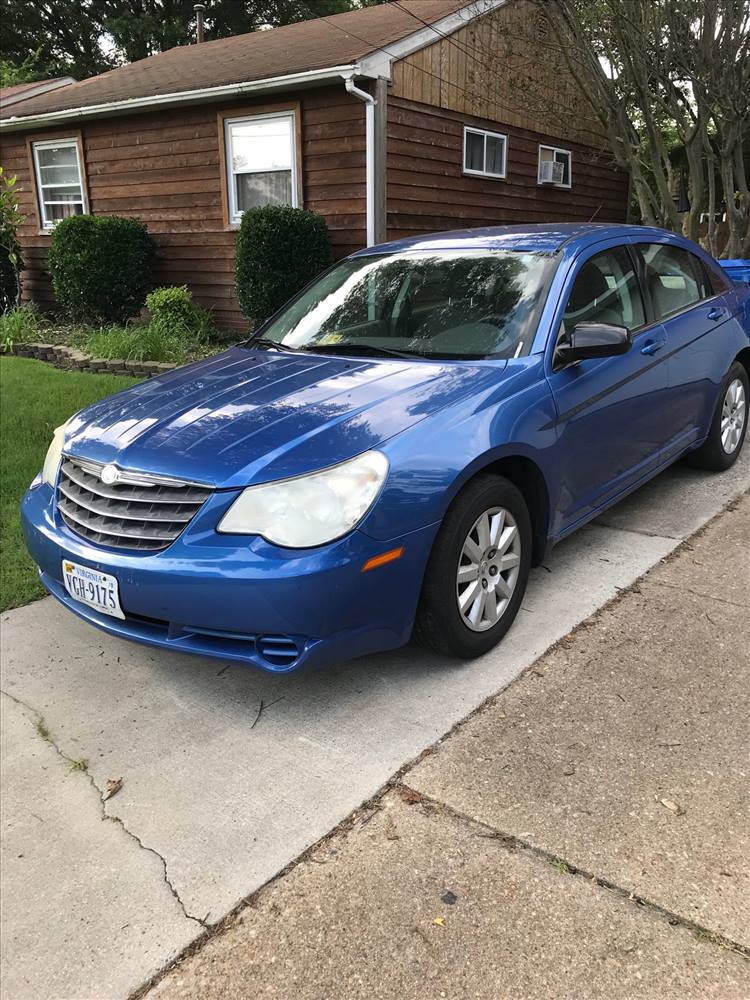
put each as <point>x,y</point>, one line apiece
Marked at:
<point>101,267</point>
<point>20,325</point>
<point>11,262</point>
<point>279,250</point>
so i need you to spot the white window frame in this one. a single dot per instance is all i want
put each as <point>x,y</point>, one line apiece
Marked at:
<point>554,150</point>
<point>235,215</point>
<point>46,223</point>
<point>485,133</point>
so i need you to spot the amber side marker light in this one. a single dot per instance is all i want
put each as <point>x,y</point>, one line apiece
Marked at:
<point>382,559</point>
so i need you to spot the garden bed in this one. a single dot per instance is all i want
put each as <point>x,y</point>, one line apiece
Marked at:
<point>74,359</point>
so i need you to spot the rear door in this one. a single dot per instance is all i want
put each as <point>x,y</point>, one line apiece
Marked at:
<point>690,302</point>
<point>610,410</point>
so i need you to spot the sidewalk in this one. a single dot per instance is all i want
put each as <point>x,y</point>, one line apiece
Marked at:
<point>584,834</point>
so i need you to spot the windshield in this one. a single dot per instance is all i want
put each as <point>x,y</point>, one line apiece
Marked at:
<point>448,304</point>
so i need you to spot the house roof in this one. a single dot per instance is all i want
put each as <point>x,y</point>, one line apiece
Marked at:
<point>317,44</point>
<point>23,91</point>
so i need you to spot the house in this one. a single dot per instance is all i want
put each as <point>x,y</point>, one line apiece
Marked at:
<point>390,121</point>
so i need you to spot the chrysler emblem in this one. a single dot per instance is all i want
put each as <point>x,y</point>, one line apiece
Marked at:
<point>109,474</point>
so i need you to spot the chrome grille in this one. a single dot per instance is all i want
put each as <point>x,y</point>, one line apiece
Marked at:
<point>138,511</point>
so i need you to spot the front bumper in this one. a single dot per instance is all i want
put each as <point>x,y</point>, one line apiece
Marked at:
<point>238,597</point>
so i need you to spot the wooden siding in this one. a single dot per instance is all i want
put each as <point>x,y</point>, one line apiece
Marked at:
<point>164,169</point>
<point>428,191</point>
<point>502,67</point>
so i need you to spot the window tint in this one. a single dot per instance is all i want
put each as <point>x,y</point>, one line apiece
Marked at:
<point>606,290</point>
<point>675,277</point>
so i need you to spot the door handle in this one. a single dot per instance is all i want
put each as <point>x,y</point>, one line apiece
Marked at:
<point>716,313</point>
<point>652,347</point>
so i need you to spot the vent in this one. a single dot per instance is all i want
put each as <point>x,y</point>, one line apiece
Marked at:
<point>551,172</point>
<point>135,511</point>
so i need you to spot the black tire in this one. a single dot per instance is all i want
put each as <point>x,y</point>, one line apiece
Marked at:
<point>712,455</point>
<point>439,624</point>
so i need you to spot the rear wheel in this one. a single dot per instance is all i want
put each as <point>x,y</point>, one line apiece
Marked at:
<point>477,573</point>
<point>729,425</point>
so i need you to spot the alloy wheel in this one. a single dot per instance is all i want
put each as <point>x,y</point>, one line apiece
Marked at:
<point>488,569</point>
<point>733,416</point>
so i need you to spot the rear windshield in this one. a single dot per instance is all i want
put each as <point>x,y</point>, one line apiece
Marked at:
<point>476,304</point>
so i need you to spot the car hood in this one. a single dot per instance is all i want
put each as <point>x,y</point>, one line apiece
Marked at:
<point>253,416</point>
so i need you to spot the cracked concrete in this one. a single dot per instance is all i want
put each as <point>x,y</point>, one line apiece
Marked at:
<point>224,795</point>
<point>74,765</point>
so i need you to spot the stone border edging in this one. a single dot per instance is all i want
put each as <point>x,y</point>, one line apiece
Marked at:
<point>73,359</point>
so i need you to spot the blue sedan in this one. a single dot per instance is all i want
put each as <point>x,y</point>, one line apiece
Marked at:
<point>392,452</point>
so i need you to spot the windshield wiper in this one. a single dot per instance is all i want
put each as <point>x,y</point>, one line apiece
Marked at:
<point>271,344</point>
<point>364,349</point>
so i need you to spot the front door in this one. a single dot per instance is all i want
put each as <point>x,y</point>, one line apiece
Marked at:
<point>610,410</point>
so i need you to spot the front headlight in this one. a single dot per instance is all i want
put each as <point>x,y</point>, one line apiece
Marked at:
<point>54,454</point>
<point>310,510</point>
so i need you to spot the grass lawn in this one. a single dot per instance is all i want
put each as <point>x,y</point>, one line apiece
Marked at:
<point>34,399</point>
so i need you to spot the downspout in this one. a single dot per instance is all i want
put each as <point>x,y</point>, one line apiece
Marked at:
<point>370,104</point>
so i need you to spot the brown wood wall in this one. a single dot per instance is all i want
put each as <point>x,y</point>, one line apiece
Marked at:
<point>163,168</point>
<point>428,191</point>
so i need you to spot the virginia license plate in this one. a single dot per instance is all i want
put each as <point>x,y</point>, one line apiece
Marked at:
<point>89,586</point>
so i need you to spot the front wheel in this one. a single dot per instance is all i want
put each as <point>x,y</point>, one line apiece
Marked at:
<point>722,447</point>
<point>478,570</point>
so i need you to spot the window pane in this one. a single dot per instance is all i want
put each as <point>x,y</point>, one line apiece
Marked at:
<point>474,151</point>
<point>61,210</point>
<point>63,174</point>
<point>56,194</point>
<point>273,188</point>
<point>670,277</point>
<point>564,158</point>
<point>262,145</point>
<point>606,291</point>
<point>494,155</point>
<point>57,156</point>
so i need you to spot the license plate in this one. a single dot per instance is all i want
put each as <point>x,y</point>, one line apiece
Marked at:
<point>89,586</point>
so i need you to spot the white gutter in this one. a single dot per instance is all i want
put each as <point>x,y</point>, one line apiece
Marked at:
<point>370,104</point>
<point>11,123</point>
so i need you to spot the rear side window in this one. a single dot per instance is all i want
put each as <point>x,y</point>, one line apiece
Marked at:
<point>675,278</point>
<point>606,290</point>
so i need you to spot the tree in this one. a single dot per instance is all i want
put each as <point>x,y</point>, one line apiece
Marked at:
<point>661,74</point>
<point>11,262</point>
<point>89,36</point>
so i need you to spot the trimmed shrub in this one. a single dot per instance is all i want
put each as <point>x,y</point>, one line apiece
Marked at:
<point>100,267</point>
<point>279,249</point>
<point>174,313</point>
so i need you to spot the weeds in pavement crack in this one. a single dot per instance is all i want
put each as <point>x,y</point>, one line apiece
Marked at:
<point>80,764</point>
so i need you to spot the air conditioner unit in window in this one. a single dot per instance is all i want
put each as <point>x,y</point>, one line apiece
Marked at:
<point>551,172</point>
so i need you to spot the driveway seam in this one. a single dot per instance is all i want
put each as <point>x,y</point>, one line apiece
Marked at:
<point>512,842</point>
<point>39,719</point>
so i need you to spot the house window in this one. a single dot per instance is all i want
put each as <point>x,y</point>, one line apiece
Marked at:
<point>59,180</point>
<point>555,166</point>
<point>485,153</point>
<point>261,167</point>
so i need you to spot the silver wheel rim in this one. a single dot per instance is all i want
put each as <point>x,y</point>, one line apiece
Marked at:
<point>733,416</point>
<point>488,569</point>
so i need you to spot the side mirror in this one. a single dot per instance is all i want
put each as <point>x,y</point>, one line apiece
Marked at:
<point>594,340</point>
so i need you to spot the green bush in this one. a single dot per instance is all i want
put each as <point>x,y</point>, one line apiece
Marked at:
<point>134,343</point>
<point>100,267</point>
<point>279,249</point>
<point>173,312</point>
<point>11,262</point>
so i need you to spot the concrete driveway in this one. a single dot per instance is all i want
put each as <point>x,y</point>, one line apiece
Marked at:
<point>228,775</point>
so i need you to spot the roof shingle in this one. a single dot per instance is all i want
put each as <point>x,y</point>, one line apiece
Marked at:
<point>295,48</point>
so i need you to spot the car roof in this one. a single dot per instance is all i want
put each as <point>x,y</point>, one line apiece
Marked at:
<point>545,238</point>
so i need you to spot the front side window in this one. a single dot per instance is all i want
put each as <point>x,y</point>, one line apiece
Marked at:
<point>59,180</point>
<point>485,152</point>
<point>261,168</point>
<point>674,277</point>
<point>606,290</point>
<point>555,166</point>
<point>449,304</point>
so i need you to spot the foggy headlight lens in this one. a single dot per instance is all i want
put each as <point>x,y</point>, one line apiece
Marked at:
<point>54,454</point>
<point>310,510</point>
